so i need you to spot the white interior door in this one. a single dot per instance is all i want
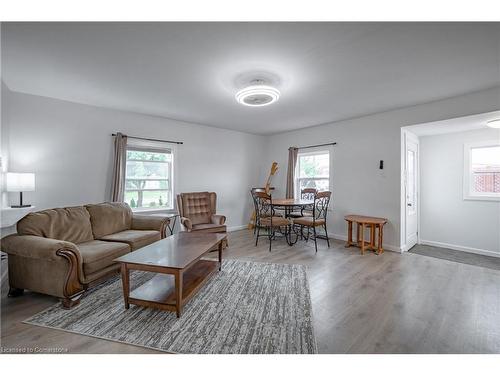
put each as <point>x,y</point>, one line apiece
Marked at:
<point>411,187</point>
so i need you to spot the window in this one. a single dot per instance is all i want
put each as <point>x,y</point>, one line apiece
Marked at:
<point>313,171</point>
<point>482,171</point>
<point>148,178</point>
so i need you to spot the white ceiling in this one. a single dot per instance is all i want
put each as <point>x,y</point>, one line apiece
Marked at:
<point>454,125</point>
<point>191,71</point>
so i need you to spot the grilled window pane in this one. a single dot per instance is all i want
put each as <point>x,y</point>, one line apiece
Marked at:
<point>485,169</point>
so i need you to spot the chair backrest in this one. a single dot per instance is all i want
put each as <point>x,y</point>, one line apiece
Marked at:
<point>308,193</point>
<point>263,204</point>
<point>321,202</point>
<point>252,193</point>
<point>198,206</point>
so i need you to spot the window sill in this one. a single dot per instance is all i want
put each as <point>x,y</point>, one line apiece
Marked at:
<point>482,198</point>
<point>154,211</point>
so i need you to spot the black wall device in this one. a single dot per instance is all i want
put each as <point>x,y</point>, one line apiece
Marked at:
<point>381,165</point>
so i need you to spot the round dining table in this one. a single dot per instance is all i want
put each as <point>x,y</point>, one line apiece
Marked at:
<point>289,205</point>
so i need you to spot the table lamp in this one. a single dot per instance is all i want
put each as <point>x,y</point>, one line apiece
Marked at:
<point>19,182</point>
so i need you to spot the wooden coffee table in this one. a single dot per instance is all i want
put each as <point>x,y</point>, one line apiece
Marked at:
<point>178,256</point>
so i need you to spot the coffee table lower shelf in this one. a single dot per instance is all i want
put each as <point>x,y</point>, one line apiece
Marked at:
<point>160,291</point>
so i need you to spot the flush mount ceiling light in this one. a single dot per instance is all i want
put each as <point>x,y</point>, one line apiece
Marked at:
<point>494,123</point>
<point>257,94</point>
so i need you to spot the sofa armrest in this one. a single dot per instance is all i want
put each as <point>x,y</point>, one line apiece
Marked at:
<point>37,247</point>
<point>147,222</point>
<point>45,265</point>
<point>218,219</point>
<point>187,223</point>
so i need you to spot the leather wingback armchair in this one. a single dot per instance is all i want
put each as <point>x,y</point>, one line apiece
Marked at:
<point>198,212</point>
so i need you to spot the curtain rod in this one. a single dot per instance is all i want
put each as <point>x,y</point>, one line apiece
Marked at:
<point>152,139</point>
<point>324,144</point>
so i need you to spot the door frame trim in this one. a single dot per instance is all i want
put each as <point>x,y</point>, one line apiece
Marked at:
<point>405,134</point>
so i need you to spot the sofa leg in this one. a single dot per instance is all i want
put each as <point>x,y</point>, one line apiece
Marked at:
<point>69,303</point>
<point>15,292</point>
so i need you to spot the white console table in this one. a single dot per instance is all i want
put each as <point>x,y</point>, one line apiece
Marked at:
<point>10,216</point>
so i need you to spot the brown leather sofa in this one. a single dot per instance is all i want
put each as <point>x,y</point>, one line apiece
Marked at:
<point>64,251</point>
<point>198,213</point>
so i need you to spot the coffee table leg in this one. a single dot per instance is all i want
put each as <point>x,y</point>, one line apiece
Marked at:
<point>125,284</point>
<point>178,293</point>
<point>220,254</point>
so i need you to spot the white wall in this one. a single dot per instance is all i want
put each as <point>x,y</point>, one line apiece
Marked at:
<point>69,147</point>
<point>445,216</point>
<point>358,185</point>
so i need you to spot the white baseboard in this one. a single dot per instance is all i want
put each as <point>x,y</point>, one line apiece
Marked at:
<point>235,228</point>
<point>461,248</point>
<point>406,247</point>
<point>343,237</point>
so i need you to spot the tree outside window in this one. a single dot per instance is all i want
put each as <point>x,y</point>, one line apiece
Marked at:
<point>313,171</point>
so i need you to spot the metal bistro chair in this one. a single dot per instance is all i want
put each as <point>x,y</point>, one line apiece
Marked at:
<point>318,218</point>
<point>252,192</point>
<point>308,195</point>
<point>266,218</point>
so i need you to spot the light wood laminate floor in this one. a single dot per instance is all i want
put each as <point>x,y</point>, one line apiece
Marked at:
<point>392,303</point>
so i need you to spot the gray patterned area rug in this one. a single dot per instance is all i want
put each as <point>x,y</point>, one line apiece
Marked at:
<point>248,307</point>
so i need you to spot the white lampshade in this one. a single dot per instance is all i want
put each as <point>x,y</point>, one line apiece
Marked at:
<point>20,181</point>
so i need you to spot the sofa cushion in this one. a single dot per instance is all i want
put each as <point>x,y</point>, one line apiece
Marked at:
<point>70,224</point>
<point>109,217</point>
<point>212,228</point>
<point>197,207</point>
<point>97,255</point>
<point>135,238</point>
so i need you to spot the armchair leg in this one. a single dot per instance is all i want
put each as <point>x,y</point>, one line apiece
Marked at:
<point>257,238</point>
<point>15,292</point>
<point>68,303</point>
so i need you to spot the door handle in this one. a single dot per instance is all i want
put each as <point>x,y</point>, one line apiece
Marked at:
<point>409,204</point>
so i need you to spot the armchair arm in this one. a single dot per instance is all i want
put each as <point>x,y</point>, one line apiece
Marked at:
<point>146,222</point>
<point>37,247</point>
<point>218,219</point>
<point>187,223</point>
<point>46,265</point>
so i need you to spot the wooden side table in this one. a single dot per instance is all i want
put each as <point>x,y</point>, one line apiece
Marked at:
<point>362,222</point>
